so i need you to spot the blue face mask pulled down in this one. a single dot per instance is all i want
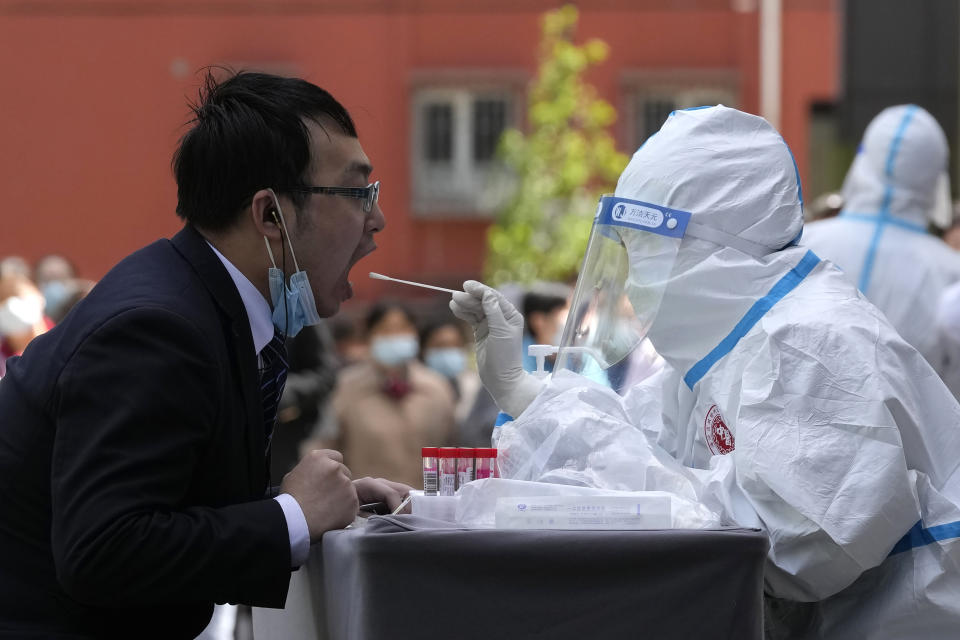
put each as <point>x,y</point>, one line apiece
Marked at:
<point>391,351</point>
<point>448,361</point>
<point>293,307</point>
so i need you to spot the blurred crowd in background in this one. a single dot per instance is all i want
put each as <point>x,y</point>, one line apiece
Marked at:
<point>33,298</point>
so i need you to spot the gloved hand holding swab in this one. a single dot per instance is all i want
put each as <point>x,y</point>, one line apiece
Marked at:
<point>378,276</point>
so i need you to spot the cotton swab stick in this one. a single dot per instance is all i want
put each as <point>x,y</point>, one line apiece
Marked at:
<point>405,502</point>
<point>378,276</point>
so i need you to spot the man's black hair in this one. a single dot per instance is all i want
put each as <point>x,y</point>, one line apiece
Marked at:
<point>249,132</point>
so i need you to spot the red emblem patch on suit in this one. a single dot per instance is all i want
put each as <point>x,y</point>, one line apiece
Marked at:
<point>718,435</point>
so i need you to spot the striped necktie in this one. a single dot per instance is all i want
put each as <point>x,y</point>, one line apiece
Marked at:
<point>273,375</point>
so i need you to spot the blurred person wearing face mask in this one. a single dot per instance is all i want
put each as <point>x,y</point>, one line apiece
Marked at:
<point>444,349</point>
<point>57,279</point>
<point>388,407</point>
<point>54,275</point>
<point>787,402</point>
<point>15,265</point>
<point>21,316</point>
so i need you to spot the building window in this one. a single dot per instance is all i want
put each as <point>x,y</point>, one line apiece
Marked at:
<point>652,97</point>
<point>456,132</point>
<point>489,123</point>
<point>438,142</point>
<point>651,113</point>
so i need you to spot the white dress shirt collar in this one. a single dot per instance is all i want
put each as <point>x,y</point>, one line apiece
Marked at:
<point>258,311</point>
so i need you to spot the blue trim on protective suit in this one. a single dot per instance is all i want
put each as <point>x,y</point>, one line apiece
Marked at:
<point>706,106</point>
<point>883,216</point>
<point>909,225</point>
<point>796,172</point>
<point>785,285</point>
<point>920,537</point>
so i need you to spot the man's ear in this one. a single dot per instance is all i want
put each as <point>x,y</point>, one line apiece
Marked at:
<point>266,218</point>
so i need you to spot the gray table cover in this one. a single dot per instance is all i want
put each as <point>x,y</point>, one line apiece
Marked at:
<point>409,577</point>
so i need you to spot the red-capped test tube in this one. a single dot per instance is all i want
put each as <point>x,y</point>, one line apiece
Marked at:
<point>431,470</point>
<point>448,470</point>
<point>486,464</point>
<point>465,466</point>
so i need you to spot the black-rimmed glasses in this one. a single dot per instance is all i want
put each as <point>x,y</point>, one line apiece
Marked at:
<point>370,194</point>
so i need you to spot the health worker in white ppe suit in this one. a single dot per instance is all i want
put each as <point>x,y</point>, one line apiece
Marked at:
<point>896,185</point>
<point>788,402</point>
<point>948,334</point>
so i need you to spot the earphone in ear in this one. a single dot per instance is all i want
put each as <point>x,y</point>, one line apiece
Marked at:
<point>276,220</point>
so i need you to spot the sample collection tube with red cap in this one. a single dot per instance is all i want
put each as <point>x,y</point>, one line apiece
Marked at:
<point>486,464</point>
<point>465,466</point>
<point>431,470</point>
<point>448,470</point>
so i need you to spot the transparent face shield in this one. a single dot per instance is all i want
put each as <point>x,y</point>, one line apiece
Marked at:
<point>630,255</point>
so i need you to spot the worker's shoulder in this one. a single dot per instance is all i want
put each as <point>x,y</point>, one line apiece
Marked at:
<point>824,304</point>
<point>937,252</point>
<point>828,231</point>
<point>819,226</point>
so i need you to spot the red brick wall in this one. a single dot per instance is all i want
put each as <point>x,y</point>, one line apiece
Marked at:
<point>94,97</point>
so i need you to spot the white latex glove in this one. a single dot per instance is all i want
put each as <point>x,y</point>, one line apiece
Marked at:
<point>498,332</point>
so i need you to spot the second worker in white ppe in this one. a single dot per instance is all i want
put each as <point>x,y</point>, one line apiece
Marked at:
<point>896,185</point>
<point>788,402</point>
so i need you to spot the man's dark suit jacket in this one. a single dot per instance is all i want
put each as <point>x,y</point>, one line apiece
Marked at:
<point>132,470</point>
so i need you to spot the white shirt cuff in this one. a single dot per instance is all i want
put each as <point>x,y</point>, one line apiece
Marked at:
<point>297,528</point>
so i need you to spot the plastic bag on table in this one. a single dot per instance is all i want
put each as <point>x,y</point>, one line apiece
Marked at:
<point>577,432</point>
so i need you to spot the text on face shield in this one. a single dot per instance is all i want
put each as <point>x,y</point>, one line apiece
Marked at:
<point>644,216</point>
